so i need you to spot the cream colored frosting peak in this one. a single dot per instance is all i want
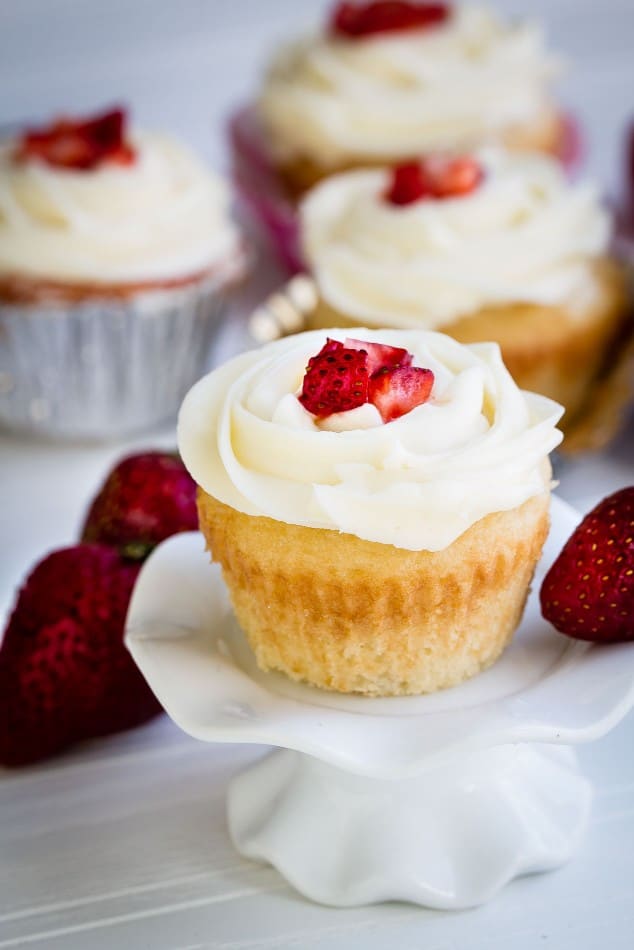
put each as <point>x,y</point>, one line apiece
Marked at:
<point>163,217</point>
<point>402,93</point>
<point>524,235</point>
<point>477,446</point>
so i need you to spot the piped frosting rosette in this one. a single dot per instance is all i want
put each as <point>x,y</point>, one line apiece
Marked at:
<point>477,446</point>
<point>523,235</point>
<point>401,93</point>
<point>163,216</point>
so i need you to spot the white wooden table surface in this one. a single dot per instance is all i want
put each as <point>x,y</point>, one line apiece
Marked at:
<point>122,843</point>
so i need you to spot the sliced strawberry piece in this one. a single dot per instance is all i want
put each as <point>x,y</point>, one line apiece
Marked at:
<point>353,20</point>
<point>336,380</point>
<point>433,178</point>
<point>408,184</point>
<point>81,144</point>
<point>380,355</point>
<point>399,390</point>
<point>453,177</point>
<point>588,593</point>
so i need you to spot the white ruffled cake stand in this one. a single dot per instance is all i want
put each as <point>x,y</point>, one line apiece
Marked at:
<point>439,800</point>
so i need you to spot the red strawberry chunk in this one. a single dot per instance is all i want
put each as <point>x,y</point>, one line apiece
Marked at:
<point>336,380</point>
<point>380,355</point>
<point>353,20</point>
<point>433,178</point>
<point>400,389</point>
<point>453,177</point>
<point>408,184</point>
<point>79,144</point>
<point>588,593</point>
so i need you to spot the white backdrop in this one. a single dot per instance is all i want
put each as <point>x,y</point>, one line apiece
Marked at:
<point>184,64</point>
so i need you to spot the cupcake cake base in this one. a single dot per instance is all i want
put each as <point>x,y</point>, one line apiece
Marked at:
<point>354,616</point>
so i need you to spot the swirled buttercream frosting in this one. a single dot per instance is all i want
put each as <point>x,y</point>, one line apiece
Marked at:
<point>477,446</point>
<point>524,235</point>
<point>164,216</point>
<point>454,85</point>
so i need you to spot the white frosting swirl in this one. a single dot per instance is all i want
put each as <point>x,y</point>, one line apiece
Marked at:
<point>163,217</point>
<point>401,93</point>
<point>477,446</point>
<point>524,235</point>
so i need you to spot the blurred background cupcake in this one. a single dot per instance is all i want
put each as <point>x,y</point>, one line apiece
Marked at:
<point>382,82</point>
<point>116,250</point>
<point>492,246</point>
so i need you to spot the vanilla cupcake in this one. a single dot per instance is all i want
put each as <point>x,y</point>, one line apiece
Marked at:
<point>496,246</point>
<point>115,251</point>
<point>377,86</point>
<point>378,506</point>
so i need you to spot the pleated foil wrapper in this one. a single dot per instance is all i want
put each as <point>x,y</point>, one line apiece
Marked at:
<point>104,369</point>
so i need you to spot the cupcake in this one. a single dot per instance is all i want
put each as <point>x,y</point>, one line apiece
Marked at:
<point>378,505</point>
<point>115,250</point>
<point>495,245</point>
<point>383,82</point>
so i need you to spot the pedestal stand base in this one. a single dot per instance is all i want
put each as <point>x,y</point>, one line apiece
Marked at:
<point>448,838</point>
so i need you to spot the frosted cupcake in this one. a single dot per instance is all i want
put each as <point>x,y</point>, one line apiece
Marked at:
<point>383,82</point>
<point>378,506</point>
<point>115,249</point>
<point>492,246</point>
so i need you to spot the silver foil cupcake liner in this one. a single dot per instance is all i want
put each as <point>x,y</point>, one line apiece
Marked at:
<point>108,368</point>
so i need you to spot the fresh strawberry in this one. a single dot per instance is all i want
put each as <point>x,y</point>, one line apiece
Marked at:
<point>433,178</point>
<point>380,355</point>
<point>386,16</point>
<point>145,499</point>
<point>336,380</point>
<point>65,674</point>
<point>81,144</point>
<point>588,593</point>
<point>399,390</point>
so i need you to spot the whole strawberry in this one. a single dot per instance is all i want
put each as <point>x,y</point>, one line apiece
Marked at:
<point>65,674</point>
<point>145,499</point>
<point>588,593</point>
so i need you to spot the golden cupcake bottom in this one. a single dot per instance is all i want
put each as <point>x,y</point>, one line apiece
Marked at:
<point>556,351</point>
<point>355,616</point>
<point>546,133</point>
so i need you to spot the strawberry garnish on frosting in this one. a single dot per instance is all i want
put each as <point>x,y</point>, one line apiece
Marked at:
<point>344,376</point>
<point>79,144</point>
<point>433,178</point>
<point>588,593</point>
<point>354,20</point>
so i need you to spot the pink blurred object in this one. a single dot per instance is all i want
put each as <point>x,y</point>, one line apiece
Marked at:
<point>572,146</point>
<point>262,191</point>
<point>624,200</point>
